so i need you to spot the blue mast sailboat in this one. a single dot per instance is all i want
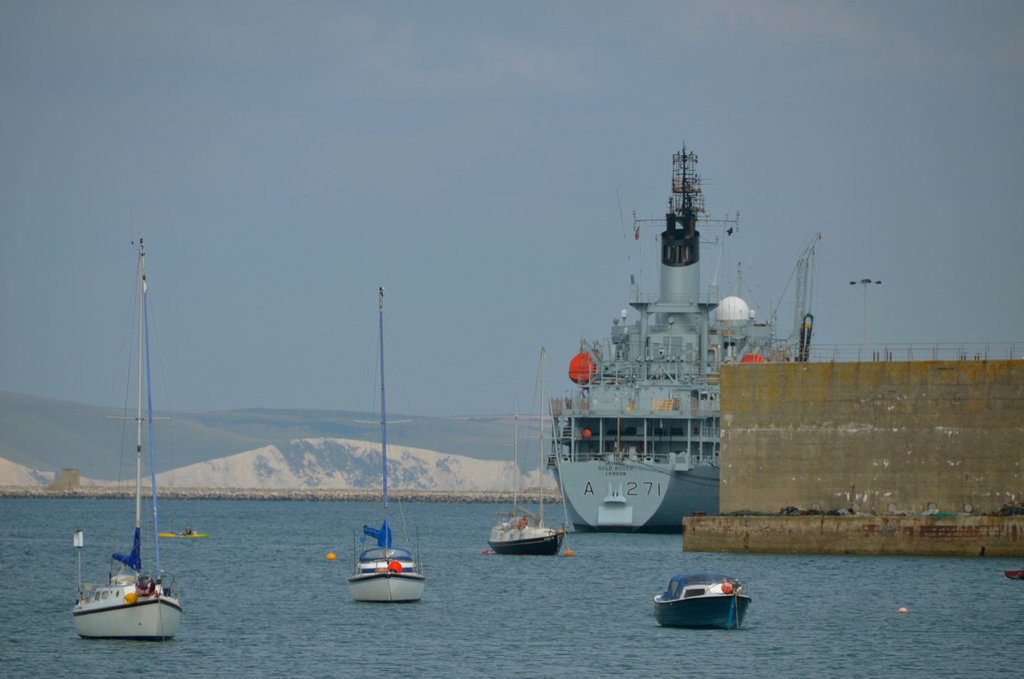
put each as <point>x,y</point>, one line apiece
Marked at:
<point>131,605</point>
<point>385,573</point>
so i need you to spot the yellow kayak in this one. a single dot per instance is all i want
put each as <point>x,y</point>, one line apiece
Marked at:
<point>184,535</point>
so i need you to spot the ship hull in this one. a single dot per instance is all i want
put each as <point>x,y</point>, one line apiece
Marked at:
<point>635,496</point>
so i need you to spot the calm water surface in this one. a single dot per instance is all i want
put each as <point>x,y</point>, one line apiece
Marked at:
<point>261,600</point>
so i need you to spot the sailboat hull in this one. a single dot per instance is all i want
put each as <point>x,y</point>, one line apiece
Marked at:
<point>386,575</point>
<point>547,546</point>
<point>544,543</point>
<point>107,615</point>
<point>387,587</point>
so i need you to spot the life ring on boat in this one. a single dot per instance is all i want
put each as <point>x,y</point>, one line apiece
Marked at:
<point>395,567</point>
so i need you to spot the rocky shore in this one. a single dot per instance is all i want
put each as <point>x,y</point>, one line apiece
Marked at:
<point>286,494</point>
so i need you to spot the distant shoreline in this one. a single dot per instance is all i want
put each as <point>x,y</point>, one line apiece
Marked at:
<point>285,494</point>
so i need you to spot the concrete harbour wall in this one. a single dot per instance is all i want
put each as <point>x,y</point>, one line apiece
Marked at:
<point>873,437</point>
<point>869,535</point>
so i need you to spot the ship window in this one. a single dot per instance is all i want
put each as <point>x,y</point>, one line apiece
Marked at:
<point>693,592</point>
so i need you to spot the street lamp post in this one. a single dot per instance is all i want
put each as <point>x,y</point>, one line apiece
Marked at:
<point>864,283</point>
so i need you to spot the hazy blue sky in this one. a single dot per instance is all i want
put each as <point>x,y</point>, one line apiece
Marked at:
<point>481,161</point>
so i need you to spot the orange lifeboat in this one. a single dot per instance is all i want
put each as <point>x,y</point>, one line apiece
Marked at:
<point>581,368</point>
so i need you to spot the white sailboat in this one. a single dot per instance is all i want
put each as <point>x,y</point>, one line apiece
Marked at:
<point>131,605</point>
<point>385,573</point>
<point>524,532</point>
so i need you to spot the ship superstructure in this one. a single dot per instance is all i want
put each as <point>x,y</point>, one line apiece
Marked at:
<point>636,447</point>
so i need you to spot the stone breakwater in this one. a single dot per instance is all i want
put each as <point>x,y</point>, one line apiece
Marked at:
<point>285,494</point>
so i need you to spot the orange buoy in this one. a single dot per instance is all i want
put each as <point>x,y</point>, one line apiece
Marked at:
<point>330,556</point>
<point>902,610</point>
<point>581,368</point>
<point>587,433</point>
<point>568,552</point>
<point>726,588</point>
<point>395,567</point>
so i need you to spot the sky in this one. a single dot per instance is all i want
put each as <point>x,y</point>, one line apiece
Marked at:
<point>483,161</point>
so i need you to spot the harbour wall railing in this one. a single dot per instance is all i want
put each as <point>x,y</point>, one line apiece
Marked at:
<point>892,352</point>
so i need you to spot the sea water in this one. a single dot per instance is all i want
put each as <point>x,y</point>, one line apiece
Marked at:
<point>261,599</point>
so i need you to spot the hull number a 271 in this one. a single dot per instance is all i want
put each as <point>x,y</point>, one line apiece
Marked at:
<point>633,488</point>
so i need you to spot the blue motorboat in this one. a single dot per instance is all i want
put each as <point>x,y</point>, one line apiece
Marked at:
<point>701,600</point>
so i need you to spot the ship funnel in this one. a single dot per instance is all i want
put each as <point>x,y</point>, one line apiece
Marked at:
<point>680,241</point>
<point>680,261</point>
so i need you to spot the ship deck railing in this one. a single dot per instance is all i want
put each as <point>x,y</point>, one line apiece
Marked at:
<point>635,408</point>
<point>694,459</point>
<point>889,352</point>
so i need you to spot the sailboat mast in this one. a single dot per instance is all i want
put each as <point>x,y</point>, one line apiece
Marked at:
<point>540,466</point>
<point>149,416</point>
<point>515,453</point>
<point>383,416</point>
<point>138,409</point>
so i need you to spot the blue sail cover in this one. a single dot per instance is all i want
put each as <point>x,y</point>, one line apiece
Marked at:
<point>382,535</point>
<point>133,560</point>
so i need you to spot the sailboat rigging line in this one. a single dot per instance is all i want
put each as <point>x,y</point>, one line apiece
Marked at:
<point>128,346</point>
<point>405,527</point>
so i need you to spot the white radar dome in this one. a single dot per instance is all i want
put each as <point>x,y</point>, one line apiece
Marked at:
<point>732,310</point>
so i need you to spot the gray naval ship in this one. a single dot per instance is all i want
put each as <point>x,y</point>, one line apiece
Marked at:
<point>636,446</point>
